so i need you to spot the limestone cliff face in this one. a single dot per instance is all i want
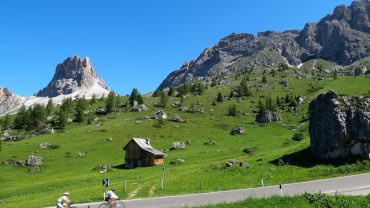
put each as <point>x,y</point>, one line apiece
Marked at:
<point>342,37</point>
<point>72,75</point>
<point>339,126</point>
<point>9,101</point>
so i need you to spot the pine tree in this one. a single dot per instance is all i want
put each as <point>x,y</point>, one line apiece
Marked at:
<point>171,92</point>
<point>6,122</point>
<point>93,99</point>
<point>232,110</point>
<point>38,117</point>
<point>163,100</point>
<point>214,82</point>
<point>20,121</point>
<point>80,110</point>
<point>135,96</point>
<point>264,79</point>
<point>110,105</point>
<point>219,97</point>
<point>278,102</point>
<point>157,93</point>
<point>200,88</point>
<point>261,106</point>
<point>62,118</point>
<point>243,89</point>
<point>49,107</point>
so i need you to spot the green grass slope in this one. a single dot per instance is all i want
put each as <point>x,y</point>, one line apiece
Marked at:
<point>204,168</point>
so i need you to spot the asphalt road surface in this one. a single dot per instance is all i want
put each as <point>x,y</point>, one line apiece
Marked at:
<point>348,185</point>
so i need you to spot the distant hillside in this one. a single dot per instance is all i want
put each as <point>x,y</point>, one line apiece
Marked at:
<point>342,37</point>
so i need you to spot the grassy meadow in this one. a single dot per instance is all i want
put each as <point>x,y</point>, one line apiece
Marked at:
<point>204,168</point>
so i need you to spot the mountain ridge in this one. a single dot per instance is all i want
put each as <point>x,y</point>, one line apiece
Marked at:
<point>342,37</point>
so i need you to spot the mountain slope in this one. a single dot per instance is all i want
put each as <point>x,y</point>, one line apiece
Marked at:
<point>9,101</point>
<point>342,38</point>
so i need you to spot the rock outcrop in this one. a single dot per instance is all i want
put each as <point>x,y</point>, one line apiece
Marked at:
<point>268,116</point>
<point>339,126</point>
<point>74,74</point>
<point>9,101</point>
<point>342,37</point>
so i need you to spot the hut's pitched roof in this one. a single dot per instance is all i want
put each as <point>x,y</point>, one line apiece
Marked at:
<point>145,146</point>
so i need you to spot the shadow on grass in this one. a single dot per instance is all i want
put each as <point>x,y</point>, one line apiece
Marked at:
<point>121,166</point>
<point>304,158</point>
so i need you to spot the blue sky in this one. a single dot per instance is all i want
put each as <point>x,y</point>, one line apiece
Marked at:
<point>131,43</point>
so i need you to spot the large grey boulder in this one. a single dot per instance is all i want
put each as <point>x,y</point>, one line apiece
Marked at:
<point>339,126</point>
<point>268,116</point>
<point>34,160</point>
<point>237,130</point>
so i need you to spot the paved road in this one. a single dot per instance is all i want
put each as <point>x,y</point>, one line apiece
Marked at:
<point>348,185</point>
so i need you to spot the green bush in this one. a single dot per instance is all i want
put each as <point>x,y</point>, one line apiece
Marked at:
<point>232,110</point>
<point>298,136</point>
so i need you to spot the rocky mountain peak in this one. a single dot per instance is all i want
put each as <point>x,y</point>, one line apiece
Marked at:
<point>73,74</point>
<point>8,100</point>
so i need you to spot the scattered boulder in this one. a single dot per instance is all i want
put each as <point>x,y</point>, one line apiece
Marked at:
<point>359,70</point>
<point>44,145</point>
<point>176,104</point>
<point>103,168</point>
<point>81,154</point>
<point>100,111</point>
<point>184,109</point>
<point>7,136</point>
<point>339,126</point>
<point>250,150</point>
<point>209,142</point>
<point>284,83</point>
<point>299,100</point>
<point>177,118</point>
<point>34,160</point>
<point>243,164</point>
<point>13,161</point>
<point>138,107</point>
<point>267,116</point>
<point>177,161</point>
<point>237,130</point>
<point>178,146</point>
<point>160,115</point>
<point>232,163</point>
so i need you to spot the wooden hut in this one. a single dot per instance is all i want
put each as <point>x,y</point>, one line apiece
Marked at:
<point>140,153</point>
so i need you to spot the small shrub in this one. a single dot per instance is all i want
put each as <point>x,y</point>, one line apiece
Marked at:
<point>54,146</point>
<point>298,136</point>
<point>68,154</point>
<point>250,150</point>
<point>232,110</point>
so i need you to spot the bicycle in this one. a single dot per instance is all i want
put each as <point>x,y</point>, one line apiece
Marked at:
<point>116,204</point>
<point>68,205</point>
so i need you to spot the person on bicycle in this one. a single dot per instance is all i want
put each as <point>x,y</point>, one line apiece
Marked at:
<point>111,197</point>
<point>63,201</point>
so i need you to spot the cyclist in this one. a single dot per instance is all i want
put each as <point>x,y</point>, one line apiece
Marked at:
<point>63,201</point>
<point>111,197</point>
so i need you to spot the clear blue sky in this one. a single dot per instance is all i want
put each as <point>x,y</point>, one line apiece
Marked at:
<point>131,43</point>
